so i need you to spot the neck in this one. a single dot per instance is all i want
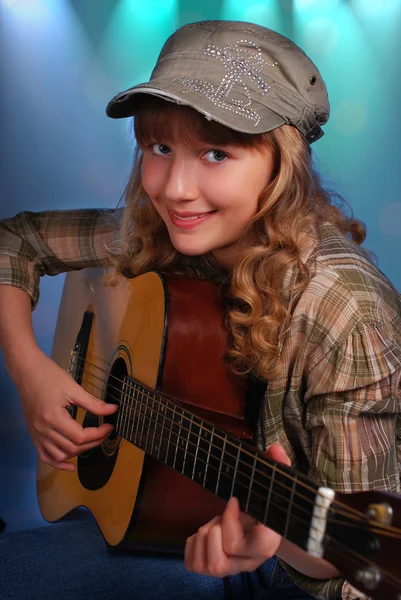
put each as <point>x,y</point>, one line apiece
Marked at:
<point>226,466</point>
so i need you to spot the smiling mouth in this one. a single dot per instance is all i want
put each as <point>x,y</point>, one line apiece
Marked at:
<point>187,220</point>
<point>192,217</point>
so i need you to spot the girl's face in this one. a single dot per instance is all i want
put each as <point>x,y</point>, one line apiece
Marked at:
<point>205,195</point>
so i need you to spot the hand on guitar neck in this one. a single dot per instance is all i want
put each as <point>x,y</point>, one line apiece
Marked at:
<point>235,542</point>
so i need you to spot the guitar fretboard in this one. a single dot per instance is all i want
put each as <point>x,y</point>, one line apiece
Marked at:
<point>270,492</point>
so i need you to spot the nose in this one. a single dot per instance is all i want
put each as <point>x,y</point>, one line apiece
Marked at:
<point>181,184</point>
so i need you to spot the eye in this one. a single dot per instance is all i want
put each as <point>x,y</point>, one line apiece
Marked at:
<point>216,156</point>
<point>160,149</point>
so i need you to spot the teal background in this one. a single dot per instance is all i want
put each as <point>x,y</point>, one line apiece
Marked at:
<point>61,62</point>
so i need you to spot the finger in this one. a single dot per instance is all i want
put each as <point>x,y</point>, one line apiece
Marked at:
<point>253,540</point>
<point>67,449</point>
<point>198,562</point>
<point>277,452</point>
<point>92,404</point>
<point>46,458</point>
<point>219,563</point>
<point>188,554</point>
<point>233,531</point>
<point>73,431</point>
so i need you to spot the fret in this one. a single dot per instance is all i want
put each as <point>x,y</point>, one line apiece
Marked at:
<point>156,412</point>
<point>196,455</point>
<point>130,400</point>
<point>290,503</point>
<point>258,495</point>
<point>137,413</point>
<point>235,470</point>
<point>120,413</point>
<point>202,453</point>
<point>248,497</point>
<point>279,500</point>
<point>173,437</point>
<point>149,426</point>
<point>179,449</point>
<point>170,430</point>
<point>226,476</point>
<point>220,465</point>
<point>192,447</point>
<point>127,404</point>
<point>207,458</point>
<point>187,441</point>
<point>280,513</point>
<point>271,484</point>
<point>142,413</point>
<point>162,440</point>
<point>184,462</point>
<point>133,412</point>
<point>123,422</point>
<point>214,461</point>
<point>125,414</point>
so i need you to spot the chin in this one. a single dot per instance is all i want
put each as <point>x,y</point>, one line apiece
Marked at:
<point>190,250</point>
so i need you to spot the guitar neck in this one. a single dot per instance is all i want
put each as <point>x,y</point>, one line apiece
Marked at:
<point>268,491</point>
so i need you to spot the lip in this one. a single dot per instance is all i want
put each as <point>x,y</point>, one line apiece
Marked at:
<point>188,224</point>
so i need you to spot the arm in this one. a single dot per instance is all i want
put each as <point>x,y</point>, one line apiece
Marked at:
<point>52,242</point>
<point>352,403</point>
<point>32,245</point>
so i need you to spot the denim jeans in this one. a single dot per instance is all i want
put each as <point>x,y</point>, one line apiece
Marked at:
<point>71,561</point>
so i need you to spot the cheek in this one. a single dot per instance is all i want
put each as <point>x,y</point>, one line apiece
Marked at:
<point>151,179</point>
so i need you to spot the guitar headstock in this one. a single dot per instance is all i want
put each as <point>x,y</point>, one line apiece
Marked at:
<point>363,540</point>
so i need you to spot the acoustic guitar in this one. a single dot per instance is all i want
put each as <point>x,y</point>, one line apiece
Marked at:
<point>155,345</point>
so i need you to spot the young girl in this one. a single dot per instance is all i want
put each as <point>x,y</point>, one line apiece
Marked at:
<point>222,188</point>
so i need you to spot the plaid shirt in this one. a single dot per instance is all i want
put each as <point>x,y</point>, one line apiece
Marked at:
<point>334,405</point>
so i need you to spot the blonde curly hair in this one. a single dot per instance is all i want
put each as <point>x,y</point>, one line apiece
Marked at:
<point>291,209</point>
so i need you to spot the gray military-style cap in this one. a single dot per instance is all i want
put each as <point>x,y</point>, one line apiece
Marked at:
<point>242,75</point>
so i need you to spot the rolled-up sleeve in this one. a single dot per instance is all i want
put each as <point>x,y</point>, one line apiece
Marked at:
<point>353,408</point>
<point>353,412</point>
<point>52,242</point>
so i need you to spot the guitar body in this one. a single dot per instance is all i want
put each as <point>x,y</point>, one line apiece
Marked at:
<point>155,346</point>
<point>167,333</point>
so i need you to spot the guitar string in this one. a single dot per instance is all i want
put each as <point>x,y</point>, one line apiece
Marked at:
<point>166,401</point>
<point>346,511</point>
<point>358,558</point>
<point>354,556</point>
<point>262,497</point>
<point>209,466</point>
<point>183,428</point>
<point>372,528</point>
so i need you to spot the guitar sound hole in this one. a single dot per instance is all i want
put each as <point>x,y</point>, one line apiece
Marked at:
<point>96,466</point>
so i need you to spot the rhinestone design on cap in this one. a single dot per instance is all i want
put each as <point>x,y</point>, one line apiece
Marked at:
<point>243,63</point>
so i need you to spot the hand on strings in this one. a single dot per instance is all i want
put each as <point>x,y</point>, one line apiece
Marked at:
<point>233,542</point>
<point>46,391</point>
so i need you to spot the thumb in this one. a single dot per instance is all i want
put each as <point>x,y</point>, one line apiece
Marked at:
<point>277,452</point>
<point>94,405</point>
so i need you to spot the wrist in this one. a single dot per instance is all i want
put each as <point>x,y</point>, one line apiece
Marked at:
<point>19,357</point>
<point>300,560</point>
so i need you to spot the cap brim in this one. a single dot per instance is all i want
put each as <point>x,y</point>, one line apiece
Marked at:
<point>126,104</point>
